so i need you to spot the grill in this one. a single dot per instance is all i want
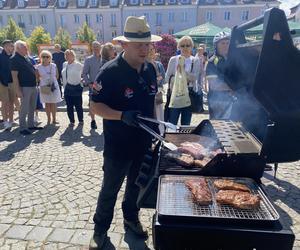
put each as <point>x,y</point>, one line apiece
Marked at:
<point>175,202</point>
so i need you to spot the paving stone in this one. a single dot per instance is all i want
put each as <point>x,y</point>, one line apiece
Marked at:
<point>3,228</point>
<point>61,235</point>
<point>82,237</point>
<point>18,231</point>
<point>39,233</point>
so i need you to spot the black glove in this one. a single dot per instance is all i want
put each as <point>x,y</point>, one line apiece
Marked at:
<point>130,118</point>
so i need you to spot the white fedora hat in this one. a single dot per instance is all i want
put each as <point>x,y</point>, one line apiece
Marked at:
<point>137,29</point>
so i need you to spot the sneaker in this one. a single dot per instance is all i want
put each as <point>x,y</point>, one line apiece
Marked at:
<point>98,241</point>
<point>7,125</point>
<point>93,124</point>
<point>35,128</point>
<point>25,132</point>
<point>80,123</point>
<point>71,125</point>
<point>136,227</point>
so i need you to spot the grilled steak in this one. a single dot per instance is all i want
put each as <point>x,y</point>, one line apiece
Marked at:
<point>201,163</point>
<point>181,159</point>
<point>230,185</point>
<point>192,148</point>
<point>200,191</point>
<point>238,199</point>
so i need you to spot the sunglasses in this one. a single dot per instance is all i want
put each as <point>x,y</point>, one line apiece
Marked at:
<point>45,56</point>
<point>185,46</point>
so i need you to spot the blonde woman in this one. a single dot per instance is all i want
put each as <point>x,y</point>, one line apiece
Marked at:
<point>47,75</point>
<point>71,75</point>
<point>192,70</point>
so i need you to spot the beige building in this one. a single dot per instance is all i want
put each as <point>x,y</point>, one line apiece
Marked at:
<point>107,17</point>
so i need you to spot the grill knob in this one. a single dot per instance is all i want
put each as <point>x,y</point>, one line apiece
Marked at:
<point>142,180</point>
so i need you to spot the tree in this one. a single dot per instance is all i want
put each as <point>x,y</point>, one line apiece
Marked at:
<point>86,34</point>
<point>166,48</point>
<point>63,38</point>
<point>12,32</point>
<point>38,36</point>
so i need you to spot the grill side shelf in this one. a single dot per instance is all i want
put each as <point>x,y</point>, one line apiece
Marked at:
<point>175,203</point>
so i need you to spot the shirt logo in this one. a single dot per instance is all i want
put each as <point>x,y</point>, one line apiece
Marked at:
<point>128,93</point>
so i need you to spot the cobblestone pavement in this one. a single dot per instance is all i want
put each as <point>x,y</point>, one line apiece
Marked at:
<point>49,184</point>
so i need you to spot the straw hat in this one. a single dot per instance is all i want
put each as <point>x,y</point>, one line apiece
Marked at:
<point>137,29</point>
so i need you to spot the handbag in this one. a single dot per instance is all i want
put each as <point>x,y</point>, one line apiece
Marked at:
<point>167,109</point>
<point>50,87</point>
<point>180,94</point>
<point>159,98</point>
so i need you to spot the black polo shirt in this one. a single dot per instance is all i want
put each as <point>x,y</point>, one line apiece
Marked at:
<point>5,74</point>
<point>123,89</point>
<point>26,71</point>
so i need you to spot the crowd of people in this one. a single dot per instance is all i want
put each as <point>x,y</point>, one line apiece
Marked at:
<point>27,87</point>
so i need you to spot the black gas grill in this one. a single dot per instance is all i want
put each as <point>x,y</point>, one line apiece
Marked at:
<point>263,128</point>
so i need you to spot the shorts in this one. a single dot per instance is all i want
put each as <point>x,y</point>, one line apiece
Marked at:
<point>7,93</point>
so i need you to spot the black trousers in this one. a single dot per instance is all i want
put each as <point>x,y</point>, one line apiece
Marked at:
<point>74,101</point>
<point>115,171</point>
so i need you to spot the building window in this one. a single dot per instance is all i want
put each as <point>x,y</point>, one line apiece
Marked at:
<point>1,20</point>
<point>208,16</point>
<point>147,16</point>
<point>99,18</point>
<point>184,17</point>
<point>171,16</point>
<point>171,31</point>
<point>20,19</point>
<point>113,2</point>
<point>184,1</point>
<point>158,19</point>
<point>245,15</point>
<point>134,2</point>
<point>172,1</point>
<point>227,15</point>
<point>81,3</point>
<point>113,21</point>
<point>43,19</point>
<point>62,3</point>
<point>76,18</point>
<point>62,21</point>
<point>31,20</point>
<point>21,4</point>
<point>159,1</point>
<point>1,4</point>
<point>147,1</point>
<point>158,31</point>
<point>43,3</point>
<point>113,34</point>
<point>87,19</point>
<point>99,35</point>
<point>93,3</point>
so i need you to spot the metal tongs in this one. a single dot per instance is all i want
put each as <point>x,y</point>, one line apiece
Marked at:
<point>166,124</point>
<point>169,145</point>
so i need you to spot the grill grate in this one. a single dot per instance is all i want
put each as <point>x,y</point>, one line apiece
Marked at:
<point>176,200</point>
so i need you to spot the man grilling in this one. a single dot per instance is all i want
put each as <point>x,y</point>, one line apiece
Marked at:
<point>124,88</point>
<point>220,95</point>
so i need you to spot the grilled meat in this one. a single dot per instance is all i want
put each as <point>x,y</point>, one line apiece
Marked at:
<point>181,159</point>
<point>238,199</point>
<point>200,191</point>
<point>201,163</point>
<point>230,185</point>
<point>192,148</point>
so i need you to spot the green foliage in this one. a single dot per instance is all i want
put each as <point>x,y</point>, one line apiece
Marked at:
<point>86,34</point>
<point>63,38</point>
<point>12,32</point>
<point>38,36</point>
